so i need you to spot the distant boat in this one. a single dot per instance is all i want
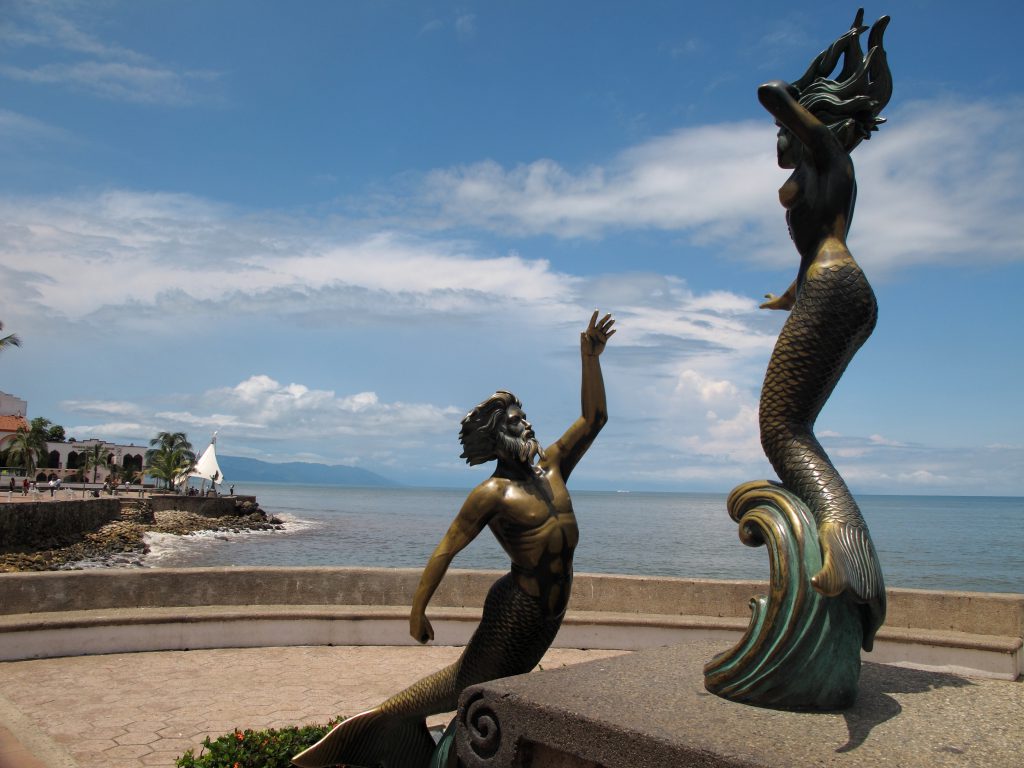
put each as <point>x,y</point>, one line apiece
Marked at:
<point>206,468</point>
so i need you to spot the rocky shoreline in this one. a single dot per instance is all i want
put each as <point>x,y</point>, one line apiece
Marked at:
<point>122,543</point>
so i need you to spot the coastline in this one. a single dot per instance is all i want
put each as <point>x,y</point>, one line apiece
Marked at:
<point>123,542</point>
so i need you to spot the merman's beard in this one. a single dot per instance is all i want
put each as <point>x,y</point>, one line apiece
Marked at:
<point>524,450</point>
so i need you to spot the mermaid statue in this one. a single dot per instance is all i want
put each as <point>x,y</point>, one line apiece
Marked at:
<point>527,507</point>
<point>832,312</point>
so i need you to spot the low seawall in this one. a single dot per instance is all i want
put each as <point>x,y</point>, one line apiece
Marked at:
<point>208,506</point>
<point>986,613</point>
<point>121,610</point>
<point>54,521</point>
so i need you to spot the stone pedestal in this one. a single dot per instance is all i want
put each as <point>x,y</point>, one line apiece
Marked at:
<point>649,709</point>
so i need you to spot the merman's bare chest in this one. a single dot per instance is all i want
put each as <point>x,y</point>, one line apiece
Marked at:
<point>537,511</point>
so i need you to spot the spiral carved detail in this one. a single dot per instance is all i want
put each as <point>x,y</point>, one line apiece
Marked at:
<point>482,727</point>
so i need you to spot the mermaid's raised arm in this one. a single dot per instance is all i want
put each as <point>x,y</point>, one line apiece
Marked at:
<point>777,97</point>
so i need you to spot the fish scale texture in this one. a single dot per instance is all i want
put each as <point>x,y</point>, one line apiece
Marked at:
<point>834,314</point>
<point>513,635</point>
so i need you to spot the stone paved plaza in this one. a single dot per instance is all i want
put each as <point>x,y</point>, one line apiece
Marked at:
<point>146,709</point>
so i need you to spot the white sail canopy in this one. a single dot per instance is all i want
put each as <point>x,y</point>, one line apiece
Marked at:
<point>207,467</point>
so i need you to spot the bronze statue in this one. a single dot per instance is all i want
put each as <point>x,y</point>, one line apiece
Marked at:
<point>832,313</point>
<point>527,507</point>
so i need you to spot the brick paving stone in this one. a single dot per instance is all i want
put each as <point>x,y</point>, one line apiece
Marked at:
<point>120,755</point>
<point>165,759</point>
<point>138,737</point>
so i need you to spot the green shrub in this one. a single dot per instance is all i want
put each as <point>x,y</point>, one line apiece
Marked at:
<point>271,748</point>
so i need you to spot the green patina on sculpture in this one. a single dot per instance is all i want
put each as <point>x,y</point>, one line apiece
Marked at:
<point>802,649</point>
<point>827,595</point>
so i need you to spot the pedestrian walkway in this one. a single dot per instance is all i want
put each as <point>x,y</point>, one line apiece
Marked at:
<point>146,709</point>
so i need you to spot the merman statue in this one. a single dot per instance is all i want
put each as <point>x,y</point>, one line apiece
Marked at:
<point>527,507</point>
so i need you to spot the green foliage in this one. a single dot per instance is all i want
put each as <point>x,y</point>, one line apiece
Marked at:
<point>168,465</point>
<point>25,450</point>
<point>43,430</point>
<point>167,442</point>
<point>10,340</point>
<point>272,748</point>
<point>122,474</point>
<point>170,456</point>
<point>94,457</point>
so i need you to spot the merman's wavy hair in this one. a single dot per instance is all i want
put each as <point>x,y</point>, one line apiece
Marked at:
<point>478,434</point>
<point>850,104</point>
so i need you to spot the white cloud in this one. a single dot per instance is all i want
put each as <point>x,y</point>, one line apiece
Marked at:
<point>708,391</point>
<point>924,478</point>
<point>119,81</point>
<point>880,440</point>
<point>159,245</point>
<point>686,181</point>
<point>259,412</point>
<point>39,24</point>
<point>465,26</point>
<point>104,68</point>
<point>434,25</point>
<point>107,407</point>
<point>110,431</point>
<point>939,183</point>
<point>18,130</point>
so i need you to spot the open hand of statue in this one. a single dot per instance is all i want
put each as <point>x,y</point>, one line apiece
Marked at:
<point>784,301</point>
<point>598,332</point>
<point>420,628</point>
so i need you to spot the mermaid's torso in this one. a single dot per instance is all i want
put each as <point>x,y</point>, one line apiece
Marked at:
<point>835,309</point>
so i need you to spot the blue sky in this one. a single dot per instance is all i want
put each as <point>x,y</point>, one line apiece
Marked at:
<point>329,229</point>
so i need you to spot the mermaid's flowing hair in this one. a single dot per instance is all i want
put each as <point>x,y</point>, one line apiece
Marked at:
<point>850,104</point>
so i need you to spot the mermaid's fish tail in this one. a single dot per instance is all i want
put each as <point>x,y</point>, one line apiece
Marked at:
<point>850,564</point>
<point>834,314</point>
<point>374,739</point>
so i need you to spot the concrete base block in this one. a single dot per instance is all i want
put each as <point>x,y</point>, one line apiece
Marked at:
<point>649,710</point>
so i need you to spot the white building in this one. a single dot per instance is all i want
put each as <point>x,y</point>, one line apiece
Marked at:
<point>62,459</point>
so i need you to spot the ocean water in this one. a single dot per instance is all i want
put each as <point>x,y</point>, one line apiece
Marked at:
<point>925,542</point>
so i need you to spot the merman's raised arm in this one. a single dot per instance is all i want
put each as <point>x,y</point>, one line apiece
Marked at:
<point>571,446</point>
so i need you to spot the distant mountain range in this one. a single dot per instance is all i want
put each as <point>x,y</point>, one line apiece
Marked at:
<point>238,469</point>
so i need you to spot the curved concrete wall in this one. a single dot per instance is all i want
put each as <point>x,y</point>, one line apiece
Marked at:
<point>118,610</point>
<point>987,613</point>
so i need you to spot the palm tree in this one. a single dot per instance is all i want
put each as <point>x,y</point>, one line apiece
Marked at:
<point>171,441</point>
<point>94,457</point>
<point>168,464</point>
<point>25,450</point>
<point>122,473</point>
<point>11,340</point>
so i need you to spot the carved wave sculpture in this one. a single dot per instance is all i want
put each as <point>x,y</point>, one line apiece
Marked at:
<point>801,649</point>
